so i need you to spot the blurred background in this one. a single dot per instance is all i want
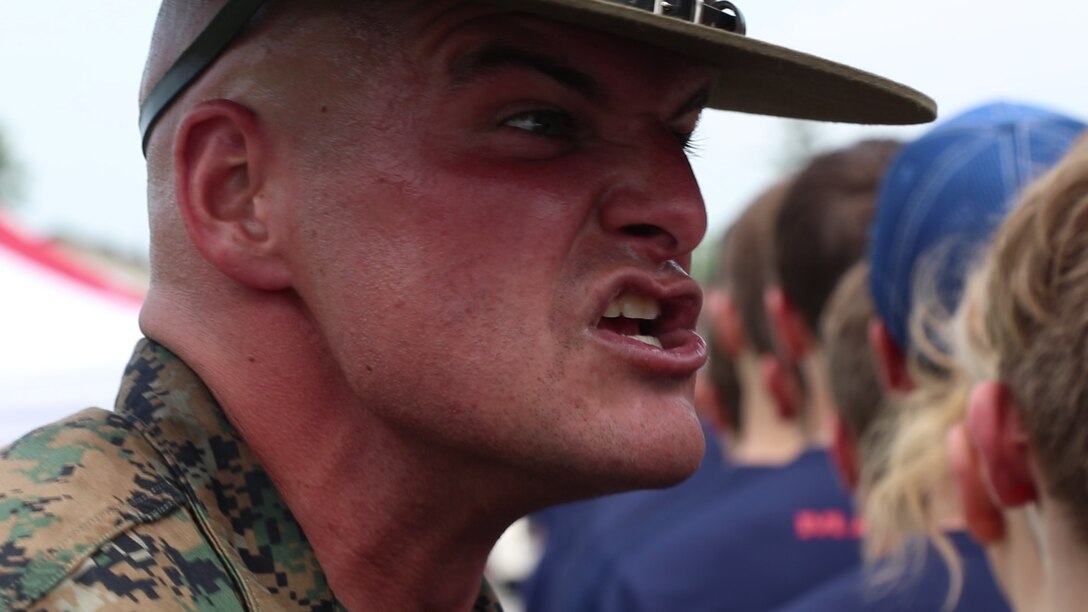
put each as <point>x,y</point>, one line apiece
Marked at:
<point>73,227</point>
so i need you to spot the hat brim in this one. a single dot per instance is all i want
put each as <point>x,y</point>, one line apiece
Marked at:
<point>754,76</point>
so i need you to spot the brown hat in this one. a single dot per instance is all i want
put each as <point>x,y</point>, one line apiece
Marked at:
<point>753,76</point>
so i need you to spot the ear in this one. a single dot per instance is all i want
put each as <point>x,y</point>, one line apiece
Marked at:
<point>726,323</point>
<point>890,360</point>
<point>783,386</point>
<point>994,425</point>
<point>985,520</point>
<point>789,327</point>
<point>708,403</point>
<point>844,452</point>
<point>220,160</point>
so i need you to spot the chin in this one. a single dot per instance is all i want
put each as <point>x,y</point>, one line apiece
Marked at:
<point>672,469</point>
<point>661,461</point>
<point>666,447</point>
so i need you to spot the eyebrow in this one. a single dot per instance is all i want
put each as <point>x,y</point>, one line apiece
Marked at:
<point>697,102</point>
<point>488,60</point>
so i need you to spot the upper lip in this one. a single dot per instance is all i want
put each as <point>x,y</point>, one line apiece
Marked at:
<point>679,295</point>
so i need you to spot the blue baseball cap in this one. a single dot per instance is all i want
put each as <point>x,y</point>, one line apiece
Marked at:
<point>945,194</point>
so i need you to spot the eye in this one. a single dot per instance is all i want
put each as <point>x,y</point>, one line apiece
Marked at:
<point>689,142</point>
<point>549,123</point>
<point>687,131</point>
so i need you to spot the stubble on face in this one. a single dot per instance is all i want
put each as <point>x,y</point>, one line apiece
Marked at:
<point>452,248</point>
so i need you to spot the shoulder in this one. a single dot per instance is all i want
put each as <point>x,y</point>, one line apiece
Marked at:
<point>82,502</point>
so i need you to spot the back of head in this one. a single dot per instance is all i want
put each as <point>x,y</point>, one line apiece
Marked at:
<point>268,68</point>
<point>722,372</point>
<point>1035,321</point>
<point>844,333</point>
<point>746,254</point>
<point>821,229</point>
<point>943,197</point>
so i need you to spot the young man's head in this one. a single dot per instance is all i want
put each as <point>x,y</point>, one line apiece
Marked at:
<point>852,376</point>
<point>1028,417</point>
<point>1018,450</point>
<point>761,427</point>
<point>477,238</point>
<point>717,389</point>
<point>821,230</point>
<point>819,233</point>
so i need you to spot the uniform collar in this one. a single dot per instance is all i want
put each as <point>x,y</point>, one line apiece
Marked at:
<point>235,502</point>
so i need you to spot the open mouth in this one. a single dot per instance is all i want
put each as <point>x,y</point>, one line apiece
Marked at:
<point>634,316</point>
<point>652,326</point>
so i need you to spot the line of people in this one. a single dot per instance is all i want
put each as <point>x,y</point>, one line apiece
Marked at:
<point>849,464</point>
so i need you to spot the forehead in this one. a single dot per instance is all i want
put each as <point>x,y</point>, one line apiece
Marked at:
<point>447,31</point>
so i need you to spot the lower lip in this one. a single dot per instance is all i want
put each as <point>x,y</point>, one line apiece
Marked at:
<point>686,352</point>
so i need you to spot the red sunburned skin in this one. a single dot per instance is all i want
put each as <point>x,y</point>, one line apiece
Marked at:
<point>675,299</point>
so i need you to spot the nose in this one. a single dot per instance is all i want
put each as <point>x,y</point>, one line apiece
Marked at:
<point>653,202</point>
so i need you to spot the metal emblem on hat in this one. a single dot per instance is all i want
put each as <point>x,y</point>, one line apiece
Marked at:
<point>720,14</point>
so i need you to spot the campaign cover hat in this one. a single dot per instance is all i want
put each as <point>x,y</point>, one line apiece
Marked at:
<point>752,76</point>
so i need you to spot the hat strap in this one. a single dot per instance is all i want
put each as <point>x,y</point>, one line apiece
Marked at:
<point>219,33</point>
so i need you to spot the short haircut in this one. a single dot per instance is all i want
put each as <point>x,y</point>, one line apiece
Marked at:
<point>741,270</point>
<point>723,376</point>
<point>822,228</point>
<point>852,374</point>
<point>1035,321</point>
<point>745,263</point>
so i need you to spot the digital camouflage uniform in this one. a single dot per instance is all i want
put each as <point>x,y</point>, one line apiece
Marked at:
<point>157,506</point>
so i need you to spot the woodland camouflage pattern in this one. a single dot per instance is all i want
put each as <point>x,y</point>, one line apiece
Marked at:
<point>156,506</point>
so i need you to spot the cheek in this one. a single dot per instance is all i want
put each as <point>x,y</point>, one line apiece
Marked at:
<point>470,284</point>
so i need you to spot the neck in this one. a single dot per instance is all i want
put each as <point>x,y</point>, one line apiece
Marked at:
<point>945,510</point>
<point>391,529</point>
<point>1017,564</point>
<point>819,408</point>
<point>1065,560</point>
<point>389,525</point>
<point>766,438</point>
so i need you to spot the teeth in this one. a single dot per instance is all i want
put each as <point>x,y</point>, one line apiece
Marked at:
<point>651,340</point>
<point>633,307</point>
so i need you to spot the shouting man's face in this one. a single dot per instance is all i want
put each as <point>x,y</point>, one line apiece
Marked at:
<point>493,239</point>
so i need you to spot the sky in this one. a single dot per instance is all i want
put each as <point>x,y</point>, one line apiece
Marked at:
<point>69,73</point>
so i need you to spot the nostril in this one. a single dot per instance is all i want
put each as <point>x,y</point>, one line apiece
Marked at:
<point>650,233</point>
<point>643,230</point>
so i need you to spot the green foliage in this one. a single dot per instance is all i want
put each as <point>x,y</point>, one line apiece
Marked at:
<point>800,141</point>
<point>703,260</point>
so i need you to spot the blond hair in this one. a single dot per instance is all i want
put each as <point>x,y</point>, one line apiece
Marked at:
<point>901,490</point>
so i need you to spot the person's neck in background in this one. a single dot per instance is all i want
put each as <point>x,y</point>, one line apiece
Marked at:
<point>818,418</point>
<point>766,436</point>
<point>1017,563</point>
<point>1065,559</point>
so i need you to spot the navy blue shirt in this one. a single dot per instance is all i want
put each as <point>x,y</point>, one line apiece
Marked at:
<point>771,540</point>
<point>923,588</point>
<point>584,539</point>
